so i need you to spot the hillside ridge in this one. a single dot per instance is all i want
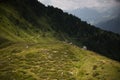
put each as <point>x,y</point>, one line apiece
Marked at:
<point>33,17</point>
<point>45,43</point>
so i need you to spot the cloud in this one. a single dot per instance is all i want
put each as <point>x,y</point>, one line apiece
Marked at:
<point>46,2</point>
<point>75,4</point>
<point>117,0</point>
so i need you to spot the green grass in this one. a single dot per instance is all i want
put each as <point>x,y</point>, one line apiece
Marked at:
<point>17,29</point>
<point>54,61</point>
<point>29,53</point>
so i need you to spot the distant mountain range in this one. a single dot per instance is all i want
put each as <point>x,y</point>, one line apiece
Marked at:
<point>111,25</point>
<point>107,20</point>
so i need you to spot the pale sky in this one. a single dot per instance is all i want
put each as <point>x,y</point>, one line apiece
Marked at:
<point>106,9</point>
<point>99,5</point>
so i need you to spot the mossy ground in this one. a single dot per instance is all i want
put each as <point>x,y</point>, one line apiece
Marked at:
<point>54,61</point>
<point>27,52</point>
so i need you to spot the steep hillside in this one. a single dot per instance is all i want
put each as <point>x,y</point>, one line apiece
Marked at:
<point>43,43</point>
<point>54,61</point>
<point>31,21</point>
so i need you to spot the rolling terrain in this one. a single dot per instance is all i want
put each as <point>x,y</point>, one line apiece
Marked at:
<point>44,43</point>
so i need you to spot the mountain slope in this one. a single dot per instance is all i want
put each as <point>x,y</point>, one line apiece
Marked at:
<point>34,22</point>
<point>39,43</point>
<point>54,61</point>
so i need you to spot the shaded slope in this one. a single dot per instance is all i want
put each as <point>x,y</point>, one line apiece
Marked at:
<point>32,21</point>
<point>34,45</point>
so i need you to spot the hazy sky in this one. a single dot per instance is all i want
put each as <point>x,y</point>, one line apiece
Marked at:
<point>100,5</point>
<point>101,10</point>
